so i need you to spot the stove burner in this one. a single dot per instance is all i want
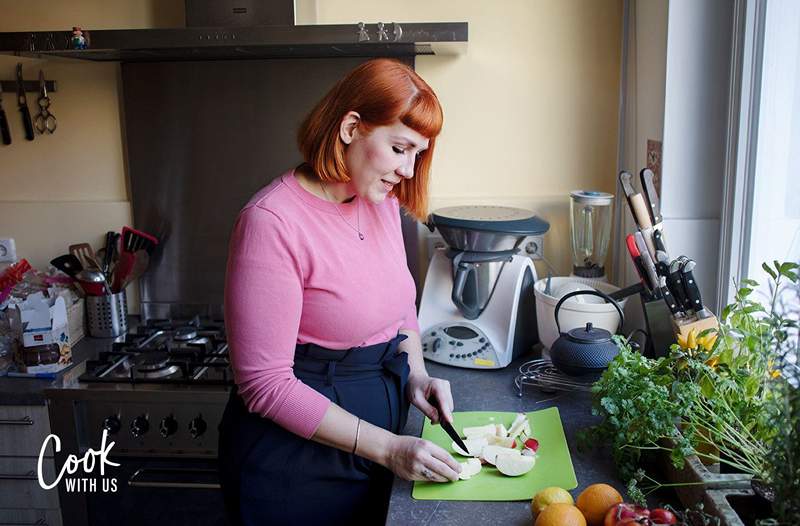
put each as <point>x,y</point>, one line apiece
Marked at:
<point>151,361</point>
<point>184,334</point>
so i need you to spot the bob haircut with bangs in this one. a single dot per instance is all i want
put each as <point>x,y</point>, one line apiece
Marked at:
<point>381,91</point>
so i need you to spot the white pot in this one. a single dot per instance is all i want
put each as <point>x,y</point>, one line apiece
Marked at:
<point>573,313</point>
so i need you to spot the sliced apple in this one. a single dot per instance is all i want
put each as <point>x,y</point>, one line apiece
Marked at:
<point>501,431</point>
<point>490,453</point>
<point>474,447</point>
<point>520,424</point>
<point>515,465</point>
<point>479,431</point>
<point>501,441</point>
<point>470,468</point>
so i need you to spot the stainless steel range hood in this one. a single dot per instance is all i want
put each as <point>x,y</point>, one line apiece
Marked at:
<point>244,29</point>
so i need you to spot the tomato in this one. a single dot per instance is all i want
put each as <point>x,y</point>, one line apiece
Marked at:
<point>662,516</point>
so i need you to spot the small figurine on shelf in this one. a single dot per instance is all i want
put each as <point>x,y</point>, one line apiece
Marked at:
<point>78,41</point>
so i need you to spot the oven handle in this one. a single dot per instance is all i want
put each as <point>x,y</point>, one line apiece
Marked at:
<point>24,421</point>
<point>39,522</point>
<point>30,475</point>
<point>141,472</point>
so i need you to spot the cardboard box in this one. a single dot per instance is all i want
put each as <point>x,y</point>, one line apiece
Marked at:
<point>44,320</point>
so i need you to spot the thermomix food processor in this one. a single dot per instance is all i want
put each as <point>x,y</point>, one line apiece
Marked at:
<point>477,309</point>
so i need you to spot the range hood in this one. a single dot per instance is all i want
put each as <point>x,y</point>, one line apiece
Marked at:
<point>244,29</point>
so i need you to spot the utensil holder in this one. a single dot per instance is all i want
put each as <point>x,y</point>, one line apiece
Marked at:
<point>107,315</point>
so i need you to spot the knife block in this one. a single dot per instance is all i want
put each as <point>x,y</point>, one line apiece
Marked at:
<point>660,331</point>
<point>683,329</point>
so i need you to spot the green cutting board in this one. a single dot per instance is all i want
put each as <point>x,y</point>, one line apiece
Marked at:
<point>553,463</point>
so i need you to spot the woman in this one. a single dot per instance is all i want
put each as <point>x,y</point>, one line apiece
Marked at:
<point>320,315</point>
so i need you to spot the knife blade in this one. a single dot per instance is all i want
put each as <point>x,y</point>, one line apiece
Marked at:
<point>447,426</point>
<point>649,188</point>
<point>692,290</point>
<point>22,104</point>
<point>625,179</point>
<point>4,129</point>
<point>647,261</point>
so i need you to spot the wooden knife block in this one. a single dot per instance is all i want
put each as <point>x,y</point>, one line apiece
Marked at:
<point>683,329</point>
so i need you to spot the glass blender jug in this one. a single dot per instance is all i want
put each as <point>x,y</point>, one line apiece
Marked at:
<point>590,229</point>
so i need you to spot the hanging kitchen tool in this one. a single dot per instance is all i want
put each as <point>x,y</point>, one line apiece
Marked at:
<point>45,121</point>
<point>140,262</point>
<point>584,350</point>
<point>4,129</point>
<point>110,247</point>
<point>22,103</point>
<point>133,240</point>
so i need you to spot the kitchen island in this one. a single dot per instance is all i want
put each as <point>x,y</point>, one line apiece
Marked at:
<point>494,390</point>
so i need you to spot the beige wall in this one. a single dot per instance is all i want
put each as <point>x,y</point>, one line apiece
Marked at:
<point>530,112</point>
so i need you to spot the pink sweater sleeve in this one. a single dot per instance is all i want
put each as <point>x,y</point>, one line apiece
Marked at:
<point>263,302</point>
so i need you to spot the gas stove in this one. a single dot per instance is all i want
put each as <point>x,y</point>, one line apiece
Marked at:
<point>165,352</point>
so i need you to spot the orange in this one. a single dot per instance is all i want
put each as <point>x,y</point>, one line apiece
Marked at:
<point>595,501</point>
<point>560,514</point>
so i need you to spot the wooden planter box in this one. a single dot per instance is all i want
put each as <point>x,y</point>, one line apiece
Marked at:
<point>736,507</point>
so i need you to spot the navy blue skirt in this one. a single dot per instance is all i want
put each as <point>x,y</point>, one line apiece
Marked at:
<point>270,476</point>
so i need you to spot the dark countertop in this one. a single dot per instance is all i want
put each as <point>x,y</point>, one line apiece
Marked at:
<point>30,391</point>
<point>494,390</point>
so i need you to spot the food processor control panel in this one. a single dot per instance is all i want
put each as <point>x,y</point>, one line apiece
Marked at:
<point>461,344</point>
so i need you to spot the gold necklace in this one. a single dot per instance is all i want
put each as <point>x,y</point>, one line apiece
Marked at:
<point>358,213</point>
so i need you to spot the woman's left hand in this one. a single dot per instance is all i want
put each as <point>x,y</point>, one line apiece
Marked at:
<point>432,396</point>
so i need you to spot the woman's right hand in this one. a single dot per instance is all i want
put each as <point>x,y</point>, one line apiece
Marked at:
<point>414,458</point>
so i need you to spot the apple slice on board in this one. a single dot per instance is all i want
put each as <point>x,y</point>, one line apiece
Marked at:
<point>470,468</point>
<point>514,465</point>
<point>490,453</point>
<point>474,447</point>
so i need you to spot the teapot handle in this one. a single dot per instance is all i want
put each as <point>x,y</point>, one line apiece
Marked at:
<point>590,293</point>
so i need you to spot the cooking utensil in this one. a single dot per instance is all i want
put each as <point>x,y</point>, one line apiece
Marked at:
<point>692,290</point>
<point>633,250</point>
<point>649,188</point>
<point>140,263</point>
<point>108,256</point>
<point>4,129</point>
<point>643,221</point>
<point>22,104</point>
<point>662,263</point>
<point>553,462</point>
<point>447,426</point>
<point>658,241</point>
<point>625,179</point>
<point>669,299</point>
<point>93,282</point>
<point>647,261</point>
<point>584,350</point>
<point>675,282</point>
<point>68,264</point>
<point>133,240</point>
<point>85,254</point>
<point>45,121</point>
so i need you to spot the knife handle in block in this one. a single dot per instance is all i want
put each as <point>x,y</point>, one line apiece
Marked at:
<point>640,212</point>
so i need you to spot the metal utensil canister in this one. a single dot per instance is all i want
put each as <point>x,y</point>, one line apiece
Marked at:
<point>107,315</point>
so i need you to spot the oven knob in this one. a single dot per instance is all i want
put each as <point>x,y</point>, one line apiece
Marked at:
<point>197,426</point>
<point>168,426</point>
<point>139,426</point>
<point>112,424</point>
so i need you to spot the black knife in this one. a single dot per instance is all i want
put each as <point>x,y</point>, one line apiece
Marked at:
<point>675,284</point>
<point>650,194</point>
<point>669,299</point>
<point>662,263</point>
<point>658,240</point>
<point>4,129</point>
<point>447,426</point>
<point>22,103</point>
<point>692,290</point>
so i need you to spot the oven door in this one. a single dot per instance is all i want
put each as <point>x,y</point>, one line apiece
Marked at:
<point>160,491</point>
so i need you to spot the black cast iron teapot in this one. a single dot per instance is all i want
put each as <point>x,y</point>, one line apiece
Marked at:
<point>584,350</point>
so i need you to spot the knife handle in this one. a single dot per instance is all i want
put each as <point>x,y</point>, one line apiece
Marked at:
<point>4,129</point>
<point>676,286</point>
<point>658,239</point>
<point>26,122</point>
<point>640,212</point>
<point>692,291</point>
<point>669,299</point>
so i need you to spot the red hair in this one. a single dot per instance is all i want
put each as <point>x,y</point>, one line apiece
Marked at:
<point>381,91</point>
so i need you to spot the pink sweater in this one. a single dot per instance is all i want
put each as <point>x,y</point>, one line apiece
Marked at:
<point>298,273</point>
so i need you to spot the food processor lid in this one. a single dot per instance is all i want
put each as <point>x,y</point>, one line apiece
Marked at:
<point>590,197</point>
<point>589,334</point>
<point>488,218</point>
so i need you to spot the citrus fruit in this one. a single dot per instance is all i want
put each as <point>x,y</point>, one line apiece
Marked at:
<point>595,501</point>
<point>547,496</point>
<point>560,514</point>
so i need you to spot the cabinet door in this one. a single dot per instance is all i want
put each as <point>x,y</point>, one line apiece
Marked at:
<point>19,484</point>
<point>23,429</point>
<point>20,517</point>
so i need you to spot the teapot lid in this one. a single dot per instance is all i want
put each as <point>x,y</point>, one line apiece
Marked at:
<point>589,334</point>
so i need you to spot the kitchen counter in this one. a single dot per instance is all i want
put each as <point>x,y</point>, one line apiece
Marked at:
<point>494,390</point>
<point>30,391</point>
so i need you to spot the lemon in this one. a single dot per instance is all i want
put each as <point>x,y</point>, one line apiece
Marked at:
<point>547,496</point>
